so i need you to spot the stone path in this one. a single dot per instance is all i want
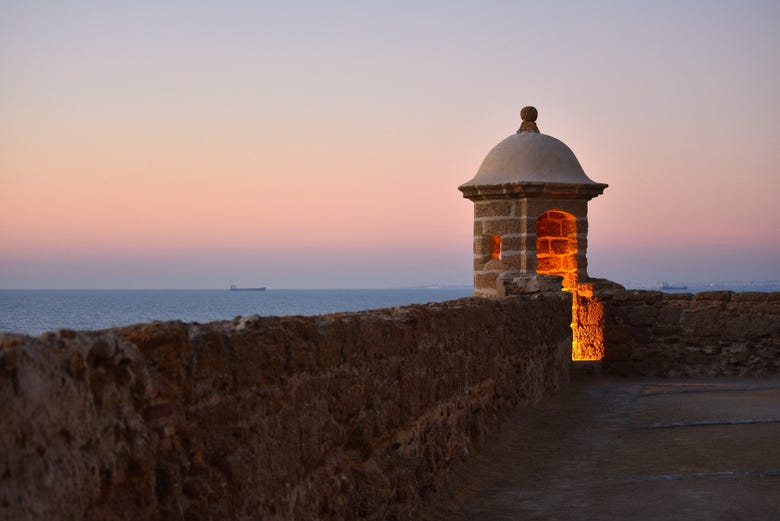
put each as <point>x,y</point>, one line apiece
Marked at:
<point>608,449</point>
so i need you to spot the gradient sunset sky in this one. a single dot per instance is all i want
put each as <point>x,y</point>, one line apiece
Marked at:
<point>193,144</point>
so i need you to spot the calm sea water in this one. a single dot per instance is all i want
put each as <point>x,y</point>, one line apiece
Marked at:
<point>36,311</point>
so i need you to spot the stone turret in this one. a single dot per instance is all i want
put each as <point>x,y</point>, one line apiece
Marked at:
<point>530,212</point>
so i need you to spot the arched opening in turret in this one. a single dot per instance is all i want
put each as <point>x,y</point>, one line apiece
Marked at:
<point>556,246</point>
<point>557,254</point>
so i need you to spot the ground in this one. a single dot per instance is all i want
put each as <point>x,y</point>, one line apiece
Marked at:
<point>630,449</point>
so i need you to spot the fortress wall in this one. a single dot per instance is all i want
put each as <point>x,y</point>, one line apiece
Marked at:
<point>342,416</point>
<point>718,333</point>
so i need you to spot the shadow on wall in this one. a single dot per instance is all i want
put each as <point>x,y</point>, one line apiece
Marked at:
<point>716,333</point>
<point>352,415</point>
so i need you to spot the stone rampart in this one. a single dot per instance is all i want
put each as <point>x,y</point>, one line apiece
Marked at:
<point>343,416</point>
<point>718,333</point>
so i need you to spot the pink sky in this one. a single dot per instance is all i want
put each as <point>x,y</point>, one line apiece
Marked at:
<point>321,145</point>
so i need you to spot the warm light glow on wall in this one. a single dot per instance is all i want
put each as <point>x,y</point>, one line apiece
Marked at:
<point>556,247</point>
<point>556,254</point>
<point>587,325</point>
<point>495,247</point>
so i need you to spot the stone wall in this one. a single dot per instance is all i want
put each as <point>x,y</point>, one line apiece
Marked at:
<point>719,333</point>
<point>556,246</point>
<point>343,416</point>
<point>505,238</point>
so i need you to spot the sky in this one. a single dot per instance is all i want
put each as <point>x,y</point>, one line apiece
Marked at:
<point>309,144</point>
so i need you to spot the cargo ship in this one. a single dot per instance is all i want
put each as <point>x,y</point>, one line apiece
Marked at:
<point>233,287</point>
<point>665,285</point>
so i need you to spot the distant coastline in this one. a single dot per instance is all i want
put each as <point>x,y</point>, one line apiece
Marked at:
<point>699,287</point>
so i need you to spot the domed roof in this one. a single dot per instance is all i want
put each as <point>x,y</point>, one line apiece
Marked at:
<point>530,157</point>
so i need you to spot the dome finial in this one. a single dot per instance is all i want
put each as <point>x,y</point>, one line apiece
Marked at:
<point>529,115</point>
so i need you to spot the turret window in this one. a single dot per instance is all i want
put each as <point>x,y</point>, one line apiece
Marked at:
<point>495,247</point>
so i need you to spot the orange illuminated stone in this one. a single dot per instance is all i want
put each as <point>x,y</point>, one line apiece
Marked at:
<point>556,254</point>
<point>495,247</point>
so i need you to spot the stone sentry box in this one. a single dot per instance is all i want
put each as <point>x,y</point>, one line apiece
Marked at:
<point>530,213</point>
<point>531,228</point>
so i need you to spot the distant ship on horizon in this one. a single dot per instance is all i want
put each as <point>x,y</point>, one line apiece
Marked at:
<point>666,285</point>
<point>233,287</point>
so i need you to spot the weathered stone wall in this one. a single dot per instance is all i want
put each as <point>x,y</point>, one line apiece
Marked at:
<point>505,239</point>
<point>556,246</point>
<point>344,416</point>
<point>649,333</point>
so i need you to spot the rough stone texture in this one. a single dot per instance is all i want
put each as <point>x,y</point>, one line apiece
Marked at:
<point>718,333</point>
<point>493,208</point>
<point>556,246</point>
<point>343,416</point>
<point>524,284</point>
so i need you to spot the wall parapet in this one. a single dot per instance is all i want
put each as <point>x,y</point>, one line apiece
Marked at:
<point>341,416</point>
<point>715,333</point>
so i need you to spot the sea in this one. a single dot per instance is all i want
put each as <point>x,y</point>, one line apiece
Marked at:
<point>33,312</point>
